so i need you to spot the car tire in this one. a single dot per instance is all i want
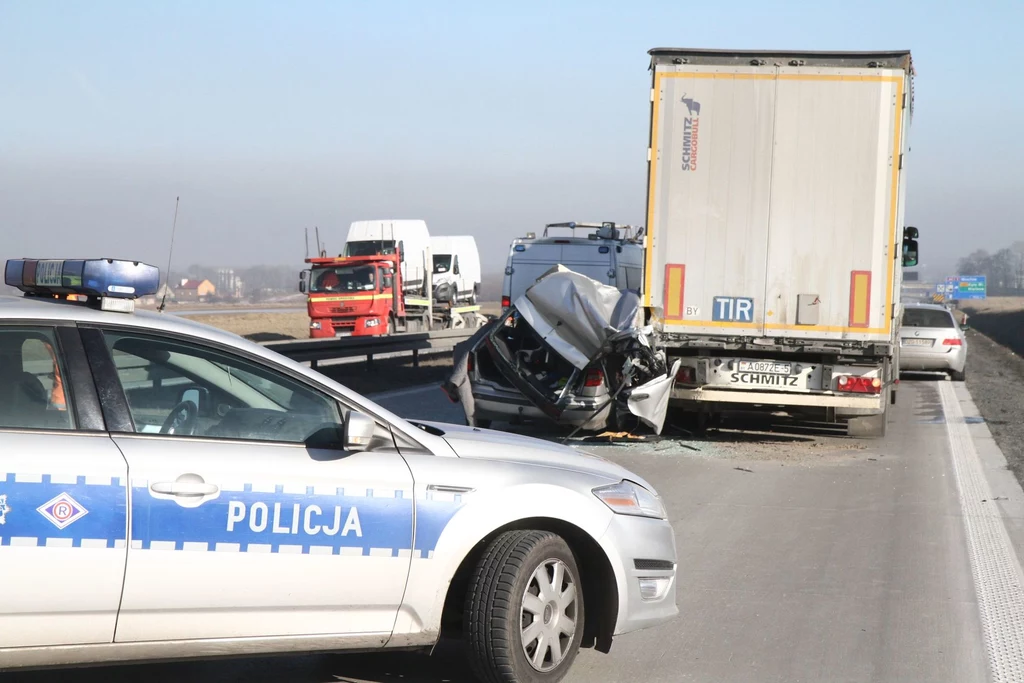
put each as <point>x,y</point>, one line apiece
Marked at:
<point>960,376</point>
<point>499,616</point>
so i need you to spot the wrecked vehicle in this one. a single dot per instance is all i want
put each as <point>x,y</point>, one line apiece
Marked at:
<point>570,350</point>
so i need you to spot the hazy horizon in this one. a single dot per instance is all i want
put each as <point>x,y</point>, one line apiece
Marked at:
<point>267,119</point>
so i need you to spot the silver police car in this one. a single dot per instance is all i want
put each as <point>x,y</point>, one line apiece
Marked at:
<point>170,490</point>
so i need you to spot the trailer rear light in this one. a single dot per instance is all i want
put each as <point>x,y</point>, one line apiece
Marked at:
<point>859,385</point>
<point>686,375</point>
<point>594,378</point>
<point>952,342</point>
<point>506,302</point>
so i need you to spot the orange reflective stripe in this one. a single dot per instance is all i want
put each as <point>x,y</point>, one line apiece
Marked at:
<point>860,298</point>
<point>675,282</point>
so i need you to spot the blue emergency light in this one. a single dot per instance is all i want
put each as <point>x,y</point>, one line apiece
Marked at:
<point>104,278</point>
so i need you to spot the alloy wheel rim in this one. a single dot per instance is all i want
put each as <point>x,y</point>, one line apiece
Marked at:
<point>548,618</point>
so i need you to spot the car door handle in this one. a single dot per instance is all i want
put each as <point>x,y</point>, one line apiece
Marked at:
<point>184,488</point>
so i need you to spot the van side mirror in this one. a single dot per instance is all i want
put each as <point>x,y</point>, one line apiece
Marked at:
<point>455,266</point>
<point>303,280</point>
<point>389,281</point>
<point>910,253</point>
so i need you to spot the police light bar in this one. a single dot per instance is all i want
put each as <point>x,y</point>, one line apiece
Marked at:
<point>107,278</point>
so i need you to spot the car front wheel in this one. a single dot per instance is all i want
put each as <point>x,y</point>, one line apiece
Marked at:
<point>524,609</point>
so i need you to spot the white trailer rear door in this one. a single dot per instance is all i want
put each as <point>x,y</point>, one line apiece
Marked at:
<point>774,200</point>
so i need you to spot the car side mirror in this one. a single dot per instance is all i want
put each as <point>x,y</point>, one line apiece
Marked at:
<point>359,431</point>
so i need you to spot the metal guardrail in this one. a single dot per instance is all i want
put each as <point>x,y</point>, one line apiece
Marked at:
<point>315,350</point>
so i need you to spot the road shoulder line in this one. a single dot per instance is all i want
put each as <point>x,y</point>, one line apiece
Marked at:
<point>995,567</point>
<point>395,393</point>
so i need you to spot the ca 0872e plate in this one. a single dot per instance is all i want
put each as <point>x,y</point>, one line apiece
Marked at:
<point>765,367</point>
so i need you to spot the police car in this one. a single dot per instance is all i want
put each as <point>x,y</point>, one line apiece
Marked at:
<point>171,490</point>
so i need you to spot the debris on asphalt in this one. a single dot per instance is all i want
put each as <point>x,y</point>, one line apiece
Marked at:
<point>743,469</point>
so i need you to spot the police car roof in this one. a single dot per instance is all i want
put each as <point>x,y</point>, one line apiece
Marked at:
<point>46,309</point>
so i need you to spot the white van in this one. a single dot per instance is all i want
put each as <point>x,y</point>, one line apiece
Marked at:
<point>456,269</point>
<point>410,237</point>
<point>611,254</point>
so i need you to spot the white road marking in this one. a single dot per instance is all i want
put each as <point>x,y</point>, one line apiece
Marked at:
<point>998,578</point>
<point>383,396</point>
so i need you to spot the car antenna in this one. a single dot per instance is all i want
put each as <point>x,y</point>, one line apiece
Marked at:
<point>170,253</point>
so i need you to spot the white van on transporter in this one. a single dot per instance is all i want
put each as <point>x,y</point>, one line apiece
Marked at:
<point>411,237</point>
<point>456,275</point>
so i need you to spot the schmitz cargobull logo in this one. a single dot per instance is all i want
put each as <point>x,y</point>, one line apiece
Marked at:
<point>691,131</point>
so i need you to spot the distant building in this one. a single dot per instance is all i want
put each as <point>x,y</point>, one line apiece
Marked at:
<point>228,283</point>
<point>194,290</point>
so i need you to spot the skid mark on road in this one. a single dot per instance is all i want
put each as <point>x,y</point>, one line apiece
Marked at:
<point>998,578</point>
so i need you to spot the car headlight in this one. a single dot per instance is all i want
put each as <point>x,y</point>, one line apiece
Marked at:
<point>314,325</point>
<point>372,322</point>
<point>627,498</point>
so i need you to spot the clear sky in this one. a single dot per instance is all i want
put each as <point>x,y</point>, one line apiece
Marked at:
<point>482,118</point>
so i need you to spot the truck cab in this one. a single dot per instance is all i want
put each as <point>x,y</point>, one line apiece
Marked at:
<point>351,296</point>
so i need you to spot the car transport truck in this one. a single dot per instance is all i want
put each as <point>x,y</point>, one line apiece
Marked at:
<point>775,235</point>
<point>356,296</point>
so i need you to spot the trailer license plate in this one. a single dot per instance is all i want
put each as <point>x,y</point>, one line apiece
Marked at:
<point>917,342</point>
<point>767,367</point>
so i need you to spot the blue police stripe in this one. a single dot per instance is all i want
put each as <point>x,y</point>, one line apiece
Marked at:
<point>238,520</point>
<point>106,517</point>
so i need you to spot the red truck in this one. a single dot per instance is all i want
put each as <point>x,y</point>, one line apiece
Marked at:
<point>353,296</point>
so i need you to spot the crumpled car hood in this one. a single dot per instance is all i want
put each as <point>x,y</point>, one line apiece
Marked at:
<point>473,442</point>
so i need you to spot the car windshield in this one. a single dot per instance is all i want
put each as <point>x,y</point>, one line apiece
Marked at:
<point>343,279</point>
<point>370,248</point>
<point>442,263</point>
<point>927,317</point>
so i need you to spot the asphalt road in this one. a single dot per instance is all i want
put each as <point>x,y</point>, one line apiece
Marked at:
<point>802,558</point>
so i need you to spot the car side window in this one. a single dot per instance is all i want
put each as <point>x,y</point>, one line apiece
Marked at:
<point>33,390</point>
<point>184,389</point>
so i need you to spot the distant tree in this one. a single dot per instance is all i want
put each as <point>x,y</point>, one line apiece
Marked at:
<point>977,263</point>
<point>1002,272</point>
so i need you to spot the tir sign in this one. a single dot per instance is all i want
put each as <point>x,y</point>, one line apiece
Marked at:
<point>733,309</point>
